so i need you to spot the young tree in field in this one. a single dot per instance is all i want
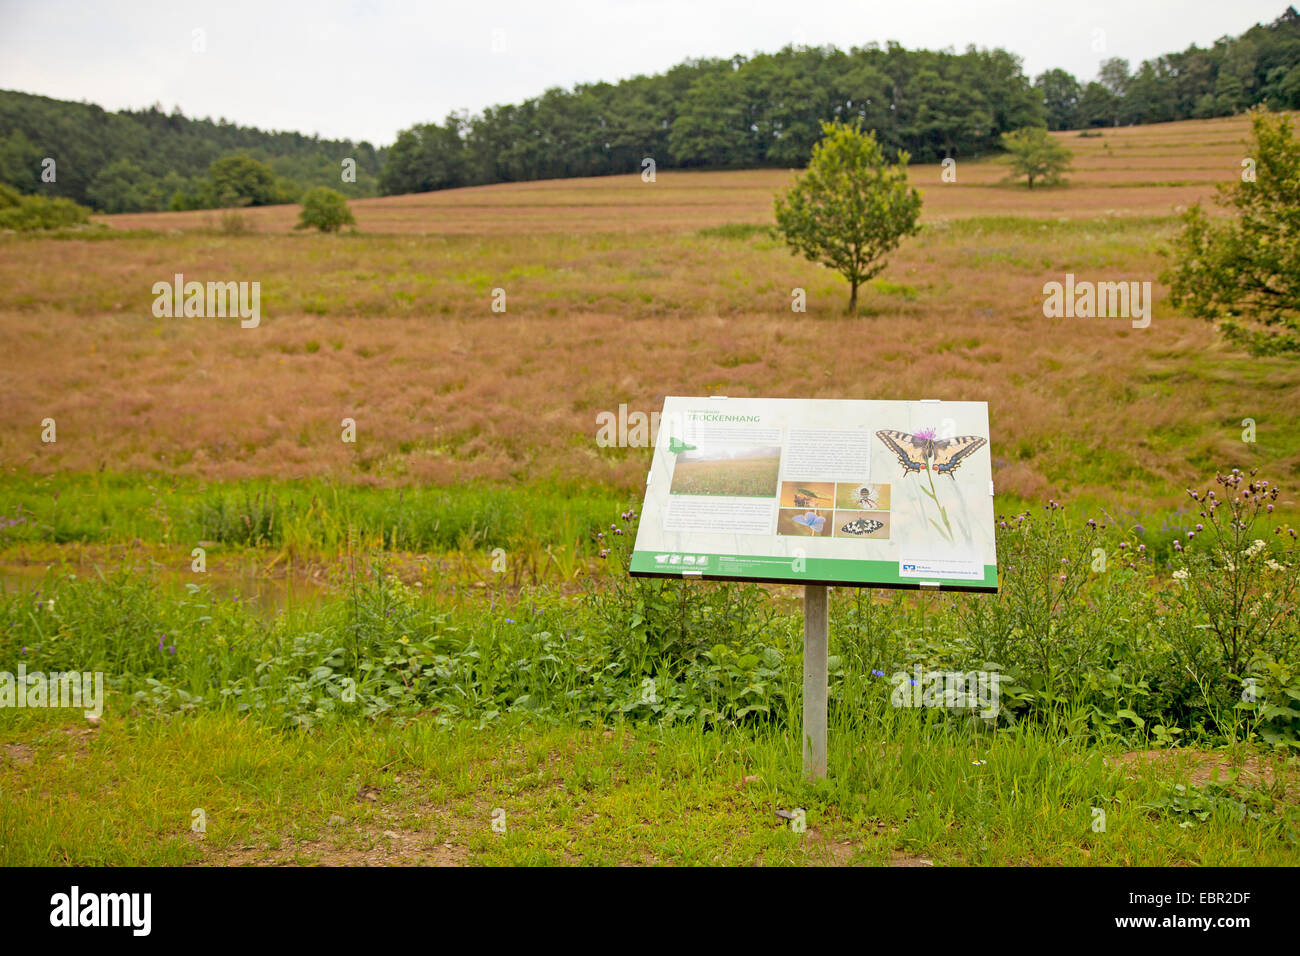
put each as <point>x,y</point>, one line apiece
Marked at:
<point>1036,155</point>
<point>850,208</point>
<point>326,209</point>
<point>1248,268</point>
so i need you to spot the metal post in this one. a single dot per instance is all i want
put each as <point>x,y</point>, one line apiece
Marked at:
<point>814,681</point>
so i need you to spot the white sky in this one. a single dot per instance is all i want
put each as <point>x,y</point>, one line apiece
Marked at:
<point>364,69</point>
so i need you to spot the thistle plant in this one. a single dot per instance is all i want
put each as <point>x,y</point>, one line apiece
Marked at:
<point>1234,584</point>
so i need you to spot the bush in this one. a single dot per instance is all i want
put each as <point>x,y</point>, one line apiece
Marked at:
<point>326,209</point>
<point>30,213</point>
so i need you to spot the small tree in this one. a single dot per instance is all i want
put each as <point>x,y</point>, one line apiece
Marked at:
<point>1248,269</point>
<point>850,208</point>
<point>1036,155</point>
<point>325,209</point>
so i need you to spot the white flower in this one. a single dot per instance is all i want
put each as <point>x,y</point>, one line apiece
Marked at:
<point>1181,574</point>
<point>1274,566</point>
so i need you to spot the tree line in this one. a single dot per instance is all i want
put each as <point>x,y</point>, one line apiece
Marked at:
<point>742,112</point>
<point>145,160</point>
<point>767,110</point>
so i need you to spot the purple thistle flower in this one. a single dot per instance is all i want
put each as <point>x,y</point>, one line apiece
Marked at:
<point>925,434</point>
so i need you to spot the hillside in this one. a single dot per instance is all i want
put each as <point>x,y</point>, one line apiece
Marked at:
<point>1126,171</point>
<point>617,294</point>
<point>138,159</point>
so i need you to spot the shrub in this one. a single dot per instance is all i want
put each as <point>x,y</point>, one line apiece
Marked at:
<point>31,213</point>
<point>326,209</point>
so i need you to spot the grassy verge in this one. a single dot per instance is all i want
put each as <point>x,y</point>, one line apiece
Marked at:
<point>309,518</point>
<point>900,794</point>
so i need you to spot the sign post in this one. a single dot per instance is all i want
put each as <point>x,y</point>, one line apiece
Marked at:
<point>820,493</point>
<point>815,635</point>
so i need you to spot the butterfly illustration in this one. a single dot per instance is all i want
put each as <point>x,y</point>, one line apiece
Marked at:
<point>863,526</point>
<point>917,452</point>
<point>677,446</point>
<point>811,520</point>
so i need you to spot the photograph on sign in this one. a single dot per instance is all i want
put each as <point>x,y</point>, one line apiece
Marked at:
<point>821,491</point>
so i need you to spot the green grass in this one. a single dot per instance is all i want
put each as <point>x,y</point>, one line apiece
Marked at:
<point>534,701</point>
<point>312,518</point>
<point>125,794</point>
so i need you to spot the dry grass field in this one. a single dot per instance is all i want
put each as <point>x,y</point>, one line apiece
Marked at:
<point>1130,171</point>
<point>619,291</point>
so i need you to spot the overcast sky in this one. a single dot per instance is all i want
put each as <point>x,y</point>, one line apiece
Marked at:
<point>364,69</point>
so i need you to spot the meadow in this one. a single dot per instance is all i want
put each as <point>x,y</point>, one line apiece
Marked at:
<point>453,552</point>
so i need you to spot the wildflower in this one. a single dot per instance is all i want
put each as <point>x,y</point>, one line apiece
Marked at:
<point>1142,547</point>
<point>1181,574</point>
<point>171,649</point>
<point>1199,526</point>
<point>510,620</point>
<point>878,673</point>
<point>160,644</point>
<point>24,650</point>
<point>925,434</point>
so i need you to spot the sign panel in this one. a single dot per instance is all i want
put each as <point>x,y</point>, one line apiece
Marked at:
<point>821,491</point>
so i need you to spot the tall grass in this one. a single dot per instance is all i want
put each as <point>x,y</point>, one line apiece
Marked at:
<point>313,518</point>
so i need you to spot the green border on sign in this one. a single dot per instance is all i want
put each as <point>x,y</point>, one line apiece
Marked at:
<point>779,570</point>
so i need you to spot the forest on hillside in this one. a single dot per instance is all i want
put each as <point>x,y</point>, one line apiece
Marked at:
<point>741,112</point>
<point>144,160</point>
<point>767,110</point>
